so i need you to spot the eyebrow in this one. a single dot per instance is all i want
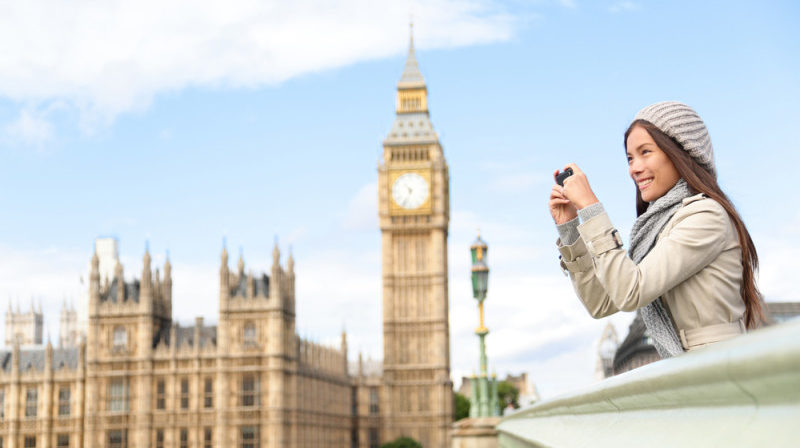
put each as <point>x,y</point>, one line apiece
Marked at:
<point>640,147</point>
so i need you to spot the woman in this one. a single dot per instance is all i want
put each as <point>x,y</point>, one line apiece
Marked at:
<point>690,267</point>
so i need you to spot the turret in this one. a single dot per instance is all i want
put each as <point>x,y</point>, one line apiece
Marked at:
<point>146,273</point>
<point>120,282</point>
<point>224,274</point>
<point>276,256</point>
<point>290,281</point>
<point>94,281</point>
<point>48,356</point>
<point>146,285</point>
<point>276,282</point>
<point>15,358</point>
<point>157,284</point>
<point>166,287</point>
<point>198,332</point>
<point>344,349</point>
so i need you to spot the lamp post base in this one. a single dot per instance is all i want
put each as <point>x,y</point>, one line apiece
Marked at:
<point>477,432</point>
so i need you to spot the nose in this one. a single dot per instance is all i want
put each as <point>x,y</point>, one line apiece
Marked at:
<point>634,167</point>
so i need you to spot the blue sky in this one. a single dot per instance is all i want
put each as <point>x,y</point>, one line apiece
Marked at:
<point>185,124</point>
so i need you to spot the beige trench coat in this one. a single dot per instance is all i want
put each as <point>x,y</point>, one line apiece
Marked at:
<point>695,266</point>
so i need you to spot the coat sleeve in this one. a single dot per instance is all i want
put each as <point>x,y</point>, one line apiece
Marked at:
<point>697,237</point>
<point>576,260</point>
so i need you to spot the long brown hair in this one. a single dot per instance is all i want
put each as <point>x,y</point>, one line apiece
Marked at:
<point>701,180</point>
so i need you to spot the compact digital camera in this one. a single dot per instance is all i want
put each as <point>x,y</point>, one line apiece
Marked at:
<point>560,177</point>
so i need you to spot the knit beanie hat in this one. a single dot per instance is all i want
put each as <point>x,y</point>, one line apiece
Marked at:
<point>682,123</point>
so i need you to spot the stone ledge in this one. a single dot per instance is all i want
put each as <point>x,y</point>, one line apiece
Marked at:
<point>739,393</point>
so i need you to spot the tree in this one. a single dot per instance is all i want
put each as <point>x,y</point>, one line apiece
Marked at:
<point>402,442</point>
<point>462,406</point>
<point>507,394</point>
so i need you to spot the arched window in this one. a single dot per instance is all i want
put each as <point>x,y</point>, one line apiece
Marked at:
<point>120,338</point>
<point>249,337</point>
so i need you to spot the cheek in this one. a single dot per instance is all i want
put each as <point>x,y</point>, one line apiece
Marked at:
<point>670,172</point>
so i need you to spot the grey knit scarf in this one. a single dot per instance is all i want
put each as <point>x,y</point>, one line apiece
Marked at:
<point>643,237</point>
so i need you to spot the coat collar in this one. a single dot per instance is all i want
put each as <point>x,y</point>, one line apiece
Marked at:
<point>694,198</point>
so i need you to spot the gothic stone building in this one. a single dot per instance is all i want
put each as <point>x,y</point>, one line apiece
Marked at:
<point>24,328</point>
<point>140,380</point>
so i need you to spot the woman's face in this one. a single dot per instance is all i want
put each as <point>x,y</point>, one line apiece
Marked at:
<point>651,169</point>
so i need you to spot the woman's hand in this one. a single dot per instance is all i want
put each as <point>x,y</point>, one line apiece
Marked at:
<point>560,207</point>
<point>577,190</point>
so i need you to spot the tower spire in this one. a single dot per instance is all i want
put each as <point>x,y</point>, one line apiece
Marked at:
<point>411,76</point>
<point>276,254</point>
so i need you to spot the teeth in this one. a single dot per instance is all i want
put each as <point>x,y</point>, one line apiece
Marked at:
<point>645,183</point>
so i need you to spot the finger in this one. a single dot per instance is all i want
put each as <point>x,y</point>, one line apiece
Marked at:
<point>575,169</point>
<point>558,206</point>
<point>558,190</point>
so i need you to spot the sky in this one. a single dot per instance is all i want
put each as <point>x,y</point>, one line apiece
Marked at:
<point>181,125</point>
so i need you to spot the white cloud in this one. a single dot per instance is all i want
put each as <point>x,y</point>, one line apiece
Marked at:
<point>106,58</point>
<point>568,3</point>
<point>624,6</point>
<point>195,292</point>
<point>31,128</point>
<point>362,210</point>
<point>45,277</point>
<point>338,289</point>
<point>777,255</point>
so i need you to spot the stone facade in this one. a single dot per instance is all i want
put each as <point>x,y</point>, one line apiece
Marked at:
<point>69,334</point>
<point>141,380</point>
<point>24,327</point>
<point>366,406</point>
<point>414,212</point>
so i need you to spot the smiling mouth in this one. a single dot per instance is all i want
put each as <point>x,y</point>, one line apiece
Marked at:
<point>644,183</point>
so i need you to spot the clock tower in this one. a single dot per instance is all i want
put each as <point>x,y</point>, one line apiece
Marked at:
<point>414,210</point>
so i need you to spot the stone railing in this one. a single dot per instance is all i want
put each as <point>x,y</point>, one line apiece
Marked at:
<point>744,392</point>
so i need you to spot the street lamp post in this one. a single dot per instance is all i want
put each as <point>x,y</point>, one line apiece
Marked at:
<point>483,402</point>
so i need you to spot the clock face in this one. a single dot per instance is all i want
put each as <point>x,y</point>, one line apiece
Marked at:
<point>410,191</point>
